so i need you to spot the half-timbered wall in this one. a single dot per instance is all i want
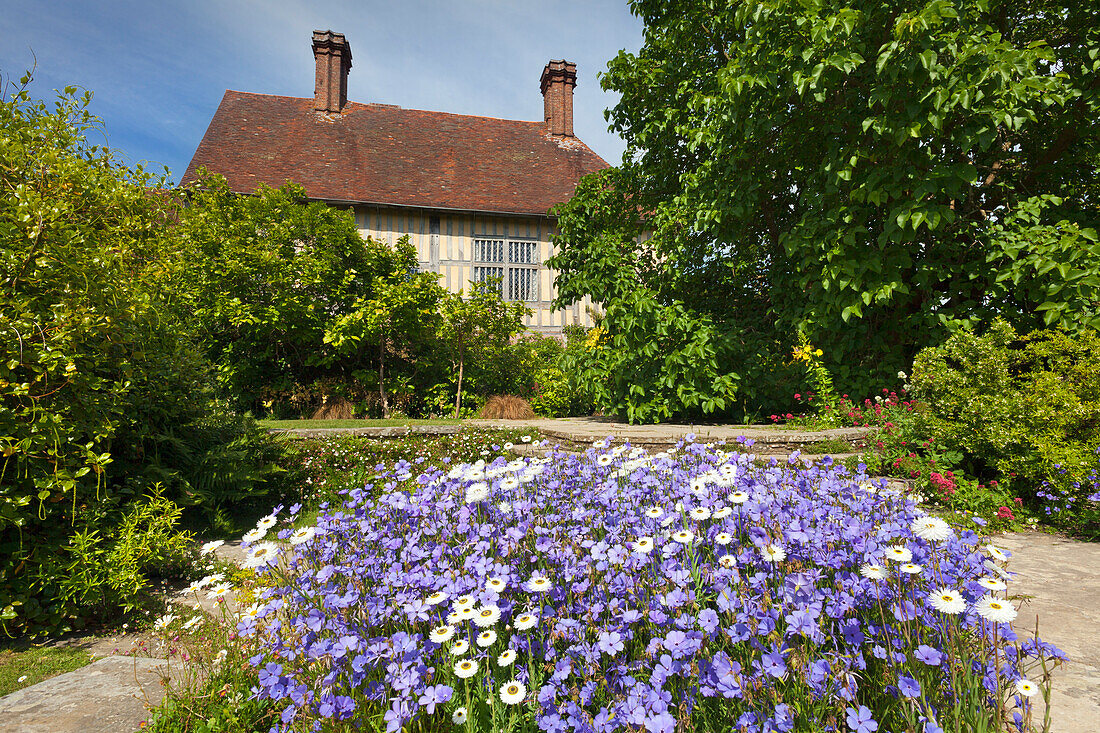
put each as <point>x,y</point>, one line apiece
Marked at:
<point>445,244</point>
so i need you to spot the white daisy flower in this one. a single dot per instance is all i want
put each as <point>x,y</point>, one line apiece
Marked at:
<point>723,513</point>
<point>773,553</point>
<point>538,585</point>
<point>460,647</point>
<point>992,584</point>
<point>727,561</point>
<point>668,520</point>
<point>899,553</point>
<point>932,529</point>
<point>507,446</point>
<point>496,585</point>
<point>465,613</point>
<point>302,535</point>
<point>466,600</point>
<point>164,621</point>
<point>209,547</point>
<point>436,598</point>
<point>1026,687</point>
<point>442,634</point>
<point>723,538</point>
<point>192,622</point>
<point>486,638</point>
<point>526,438</point>
<point>211,579</point>
<point>458,717</point>
<point>466,669</point>
<point>700,513</point>
<point>513,692</point>
<point>995,609</point>
<point>195,587</point>
<point>644,545</point>
<point>604,460</point>
<point>526,621</point>
<point>267,522</point>
<point>477,492</point>
<point>219,590</point>
<point>910,568</point>
<point>261,554</point>
<point>684,536</point>
<point>872,571</point>
<point>253,535</point>
<point>947,600</point>
<point>996,553</point>
<point>506,659</point>
<point>738,497</point>
<point>487,616</point>
<point>654,512</point>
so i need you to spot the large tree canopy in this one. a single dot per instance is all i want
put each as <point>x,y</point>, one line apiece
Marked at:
<point>873,174</point>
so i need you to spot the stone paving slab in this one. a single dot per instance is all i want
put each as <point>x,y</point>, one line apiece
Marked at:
<point>110,695</point>
<point>1060,579</point>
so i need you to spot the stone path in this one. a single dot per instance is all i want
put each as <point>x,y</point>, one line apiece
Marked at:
<point>1061,579</point>
<point>110,695</point>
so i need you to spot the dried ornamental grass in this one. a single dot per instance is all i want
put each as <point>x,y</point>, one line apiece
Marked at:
<point>695,591</point>
<point>506,407</point>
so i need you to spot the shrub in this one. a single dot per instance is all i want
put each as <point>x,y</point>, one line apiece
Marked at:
<point>623,591</point>
<point>90,366</point>
<point>1019,409</point>
<point>506,407</point>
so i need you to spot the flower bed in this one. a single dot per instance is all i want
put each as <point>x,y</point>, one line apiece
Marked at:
<point>623,591</point>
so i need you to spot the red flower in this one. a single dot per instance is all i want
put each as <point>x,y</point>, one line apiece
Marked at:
<point>1005,513</point>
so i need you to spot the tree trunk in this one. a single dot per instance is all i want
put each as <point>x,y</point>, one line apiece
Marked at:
<point>458,394</point>
<point>382,377</point>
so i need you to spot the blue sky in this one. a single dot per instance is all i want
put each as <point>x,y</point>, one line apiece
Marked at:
<point>159,68</point>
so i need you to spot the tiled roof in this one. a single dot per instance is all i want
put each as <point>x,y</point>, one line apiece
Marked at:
<point>382,154</point>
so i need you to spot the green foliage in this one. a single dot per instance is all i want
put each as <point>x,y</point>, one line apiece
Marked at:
<point>262,278</point>
<point>872,175</point>
<point>657,361</point>
<point>99,571</point>
<point>105,419</point>
<point>558,389</point>
<point>478,331</point>
<point>396,320</point>
<point>1018,408</point>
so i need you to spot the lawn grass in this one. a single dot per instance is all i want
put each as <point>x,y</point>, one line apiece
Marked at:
<point>391,423</point>
<point>36,664</point>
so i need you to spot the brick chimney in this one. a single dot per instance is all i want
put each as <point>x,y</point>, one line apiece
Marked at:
<point>558,80</point>
<point>332,53</point>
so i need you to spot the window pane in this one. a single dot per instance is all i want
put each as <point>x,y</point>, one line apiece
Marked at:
<point>522,283</point>
<point>481,274</point>
<point>488,250</point>
<point>523,253</point>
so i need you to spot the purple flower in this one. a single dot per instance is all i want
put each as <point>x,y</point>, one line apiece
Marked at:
<point>908,686</point>
<point>928,655</point>
<point>610,642</point>
<point>435,695</point>
<point>861,721</point>
<point>773,664</point>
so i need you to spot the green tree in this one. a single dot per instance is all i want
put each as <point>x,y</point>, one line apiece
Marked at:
<point>398,319</point>
<point>872,175</point>
<point>92,374</point>
<point>261,278</point>
<point>478,327</point>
